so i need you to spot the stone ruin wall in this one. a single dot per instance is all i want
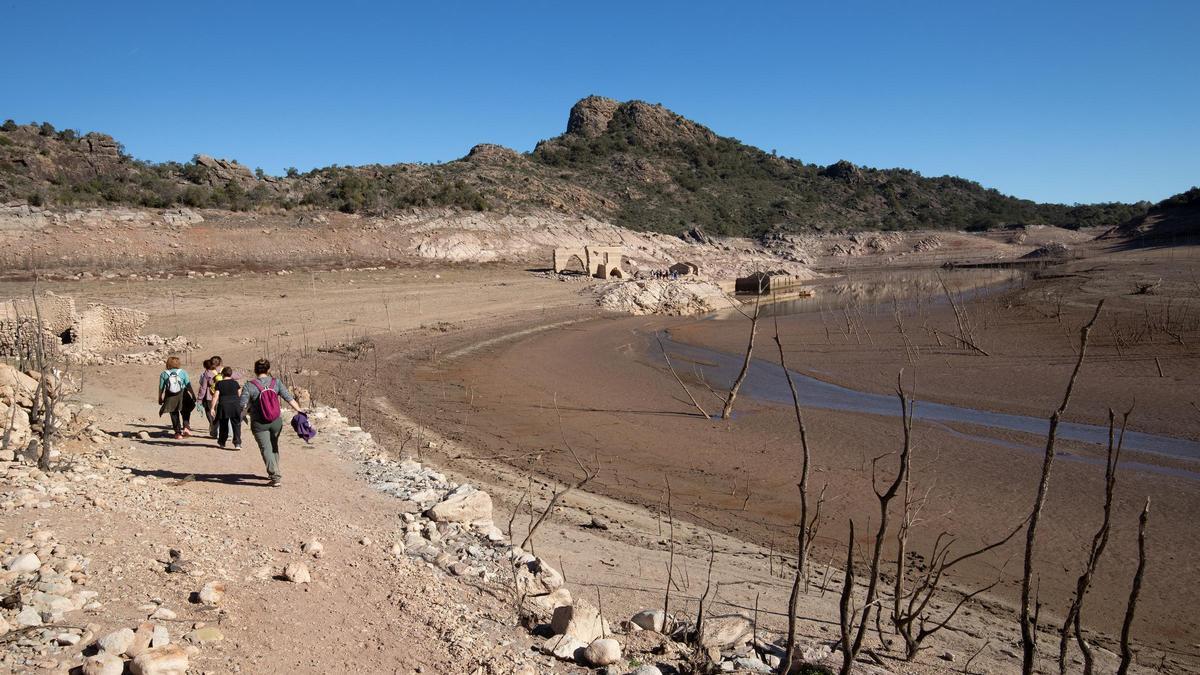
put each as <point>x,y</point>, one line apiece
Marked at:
<point>58,311</point>
<point>102,327</point>
<point>97,328</point>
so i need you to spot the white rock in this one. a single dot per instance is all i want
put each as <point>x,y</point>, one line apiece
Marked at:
<point>649,619</point>
<point>163,613</point>
<point>165,660</point>
<point>563,647</point>
<point>467,506</point>
<point>103,663</point>
<point>297,573</point>
<point>116,642</point>
<point>646,670</point>
<point>313,547</point>
<point>28,562</point>
<point>722,632</point>
<point>581,621</point>
<point>28,617</point>
<point>213,593</point>
<point>602,652</point>
<point>160,637</point>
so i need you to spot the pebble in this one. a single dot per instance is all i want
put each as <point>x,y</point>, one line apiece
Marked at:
<point>213,593</point>
<point>163,614</point>
<point>313,547</point>
<point>297,573</point>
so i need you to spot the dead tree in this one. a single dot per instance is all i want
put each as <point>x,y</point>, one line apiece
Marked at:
<point>1073,622</point>
<point>885,497</point>
<point>727,410</point>
<point>910,608</point>
<point>845,606</point>
<point>1131,608</point>
<point>701,611</point>
<point>966,333</point>
<point>1028,623</point>
<point>802,536</point>
<point>49,388</point>
<point>678,379</point>
<point>670,561</point>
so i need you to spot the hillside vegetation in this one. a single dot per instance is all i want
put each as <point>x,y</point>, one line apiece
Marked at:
<point>633,163</point>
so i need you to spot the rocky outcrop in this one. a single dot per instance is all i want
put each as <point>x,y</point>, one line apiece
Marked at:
<point>490,153</point>
<point>222,171</point>
<point>590,116</point>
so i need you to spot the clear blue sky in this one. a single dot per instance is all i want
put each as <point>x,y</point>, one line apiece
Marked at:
<point>1054,101</point>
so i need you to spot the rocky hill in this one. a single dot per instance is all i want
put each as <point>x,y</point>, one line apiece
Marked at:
<point>1174,219</point>
<point>634,163</point>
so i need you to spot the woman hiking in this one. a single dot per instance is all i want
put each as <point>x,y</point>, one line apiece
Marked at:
<point>207,387</point>
<point>176,397</point>
<point>225,408</point>
<point>260,404</point>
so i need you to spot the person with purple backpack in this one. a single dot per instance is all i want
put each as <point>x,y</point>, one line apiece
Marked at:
<point>260,404</point>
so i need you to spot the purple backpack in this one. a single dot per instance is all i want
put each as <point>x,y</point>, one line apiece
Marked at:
<point>268,401</point>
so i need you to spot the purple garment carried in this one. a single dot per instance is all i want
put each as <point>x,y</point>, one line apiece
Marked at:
<point>303,428</point>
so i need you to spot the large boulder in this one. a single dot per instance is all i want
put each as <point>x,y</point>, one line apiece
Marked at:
<point>464,505</point>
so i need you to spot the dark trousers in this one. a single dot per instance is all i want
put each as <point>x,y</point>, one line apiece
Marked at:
<point>226,421</point>
<point>182,419</point>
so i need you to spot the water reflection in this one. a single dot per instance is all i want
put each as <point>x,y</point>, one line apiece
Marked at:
<point>885,288</point>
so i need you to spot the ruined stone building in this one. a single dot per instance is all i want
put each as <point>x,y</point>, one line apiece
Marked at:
<point>97,328</point>
<point>602,262</point>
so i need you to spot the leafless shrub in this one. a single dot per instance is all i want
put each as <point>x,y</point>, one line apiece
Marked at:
<point>803,535</point>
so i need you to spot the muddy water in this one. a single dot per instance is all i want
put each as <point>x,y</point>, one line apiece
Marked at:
<point>766,381</point>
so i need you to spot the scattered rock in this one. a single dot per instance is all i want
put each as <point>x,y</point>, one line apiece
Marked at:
<point>464,505</point>
<point>213,593</point>
<point>116,642</point>
<point>163,613</point>
<point>165,660</point>
<point>563,647</point>
<point>28,562</point>
<point>602,652</point>
<point>649,619</point>
<point>313,547</point>
<point>581,621</point>
<point>205,634</point>
<point>723,632</point>
<point>297,573</point>
<point>104,663</point>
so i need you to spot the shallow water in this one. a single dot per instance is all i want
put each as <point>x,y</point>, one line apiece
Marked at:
<point>881,290</point>
<point>766,381</point>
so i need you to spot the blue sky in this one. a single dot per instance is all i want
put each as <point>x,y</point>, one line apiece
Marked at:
<point>1054,101</point>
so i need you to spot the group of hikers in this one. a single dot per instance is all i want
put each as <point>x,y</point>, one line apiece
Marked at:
<point>226,402</point>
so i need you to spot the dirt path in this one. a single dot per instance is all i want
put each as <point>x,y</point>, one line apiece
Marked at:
<point>216,508</point>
